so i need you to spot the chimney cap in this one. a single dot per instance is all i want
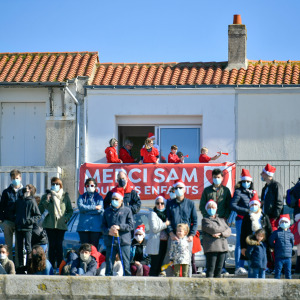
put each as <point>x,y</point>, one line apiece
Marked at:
<point>237,20</point>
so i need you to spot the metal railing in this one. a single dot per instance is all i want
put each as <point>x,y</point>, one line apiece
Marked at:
<point>38,176</point>
<point>287,172</point>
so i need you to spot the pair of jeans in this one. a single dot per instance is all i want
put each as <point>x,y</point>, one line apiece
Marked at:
<point>9,230</point>
<point>21,235</point>
<point>55,253</point>
<point>256,272</point>
<point>111,252</point>
<point>287,264</point>
<point>214,264</point>
<point>89,237</point>
<point>239,263</point>
<point>157,260</point>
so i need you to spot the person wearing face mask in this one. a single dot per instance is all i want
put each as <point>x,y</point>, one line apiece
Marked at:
<point>60,210</point>
<point>172,193</point>
<point>85,264</point>
<point>6,263</point>
<point>90,205</point>
<point>131,197</point>
<point>117,225</point>
<point>240,204</point>
<point>215,233</point>
<point>158,238</point>
<point>139,259</point>
<point>282,240</point>
<point>8,212</point>
<point>255,219</point>
<point>219,193</point>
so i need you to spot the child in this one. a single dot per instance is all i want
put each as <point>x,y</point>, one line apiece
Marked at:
<point>257,254</point>
<point>204,158</point>
<point>139,259</point>
<point>179,252</point>
<point>85,264</point>
<point>6,263</point>
<point>27,213</point>
<point>283,241</point>
<point>173,157</point>
<point>215,233</point>
<point>117,268</point>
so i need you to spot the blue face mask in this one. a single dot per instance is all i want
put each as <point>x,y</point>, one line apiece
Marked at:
<point>246,185</point>
<point>254,208</point>
<point>261,178</point>
<point>211,211</point>
<point>217,181</point>
<point>284,225</point>
<point>16,182</point>
<point>163,209</point>
<point>172,195</point>
<point>55,188</point>
<point>115,203</point>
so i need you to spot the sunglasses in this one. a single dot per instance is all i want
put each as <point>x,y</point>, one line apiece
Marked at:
<point>179,187</point>
<point>56,184</point>
<point>91,185</point>
<point>160,203</point>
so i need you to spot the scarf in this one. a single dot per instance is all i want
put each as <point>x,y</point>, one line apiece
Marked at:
<point>255,223</point>
<point>84,263</point>
<point>56,200</point>
<point>3,262</point>
<point>161,214</point>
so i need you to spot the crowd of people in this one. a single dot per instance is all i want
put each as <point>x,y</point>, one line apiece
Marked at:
<point>263,237</point>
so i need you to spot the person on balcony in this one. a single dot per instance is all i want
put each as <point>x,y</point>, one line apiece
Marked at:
<point>204,158</point>
<point>111,152</point>
<point>149,154</point>
<point>173,157</point>
<point>125,153</point>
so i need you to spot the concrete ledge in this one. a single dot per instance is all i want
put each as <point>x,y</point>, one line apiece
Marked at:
<point>67,287</point>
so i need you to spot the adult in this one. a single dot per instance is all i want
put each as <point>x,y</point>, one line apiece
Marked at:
<point>158,238</point>
<point>8,212</point>
<point>219,193</point>
<point>215,234</point>
<point>125,152</point>
<point>90,205</point>
<point>60,210</point>
<point>271,195</point>
<point>131,197</point>
<point>38,263</point>
<point>181,210</point>
<point>149,154</point>
<point>7,264</point>
<point>116,227</point>
<point>240,204</point>
<point>254,220</point>
<point>111,152</point>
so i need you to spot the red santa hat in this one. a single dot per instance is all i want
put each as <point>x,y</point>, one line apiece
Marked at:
<point>246,175</point>
<point>177,182</point>
<point>118,193</point>
<point>285,218</point>
<point>211,201</point>
<point>140,229</point>
<point>151,136</point>
<point>161,196</point>
<point>269,170</point>
<point>254,199</point>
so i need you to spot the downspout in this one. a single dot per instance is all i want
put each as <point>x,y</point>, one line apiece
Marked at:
<point>77,139</point>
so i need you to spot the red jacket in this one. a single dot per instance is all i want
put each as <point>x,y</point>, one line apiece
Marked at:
<point>203,158</point>
<point>100,258</point>
<point>173,158</point>
<point>112,155</point>
<point>125,156</point>
<point>149,157</point>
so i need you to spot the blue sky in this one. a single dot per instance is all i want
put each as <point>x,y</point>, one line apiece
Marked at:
<point>150,30</point>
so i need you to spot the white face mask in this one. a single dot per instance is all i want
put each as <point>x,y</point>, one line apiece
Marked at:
<point>84,256</point>
<point>3,256</point>
<point>91,189</point>
<point>179,192</point>
<point>139,238</point>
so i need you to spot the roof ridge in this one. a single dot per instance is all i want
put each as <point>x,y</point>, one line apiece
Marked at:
<point>64,52</point>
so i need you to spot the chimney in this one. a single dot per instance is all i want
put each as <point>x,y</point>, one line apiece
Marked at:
<point>237,44</point>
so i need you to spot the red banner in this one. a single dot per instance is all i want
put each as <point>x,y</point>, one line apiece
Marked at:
<point>149,180</point>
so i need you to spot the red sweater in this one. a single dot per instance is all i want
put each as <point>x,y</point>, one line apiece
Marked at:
<point>173,158</point>
<point>112,155</point>
<point>203,158</point>
<point>149,157</point>
<point>125,156</point>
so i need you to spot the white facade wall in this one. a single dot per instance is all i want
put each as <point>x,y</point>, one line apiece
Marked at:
<point>213,109</point>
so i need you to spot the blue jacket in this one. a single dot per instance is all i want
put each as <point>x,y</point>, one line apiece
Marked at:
<point>256,252</point>
<point>47,271</point>
<point>282,241</point>
<point>183,212</point>
<point>90,219</point>
<point>240,201</point>
<point>122,217</point>
<point>91,267</point>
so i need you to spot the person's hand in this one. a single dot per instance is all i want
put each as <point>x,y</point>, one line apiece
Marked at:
<point>77,275</point>
<point>48,197</point>
<point>167,223</point>
<point>190,238</point>
<point>98,207</point>
<point>173,237</point>
<point>140,162</point>
<point>137,263</point>
<point>156,162</point>
<point>243,251</point>
<point>117,227</point>
<point>216,235</point>
<point>121,161</point>
<point>113,231</point>
<point>220,153</point>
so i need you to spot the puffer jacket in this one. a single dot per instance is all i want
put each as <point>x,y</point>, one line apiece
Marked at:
<point>90,267</point>
<point>256,252</point>
<point>240,201</point>
<point>212,226</point>
<point>272,202</point>
<point>282,241</point>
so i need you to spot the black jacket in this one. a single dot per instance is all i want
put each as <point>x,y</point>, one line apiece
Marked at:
<point>138,252</point>
<point>272,203</point>
<point>117,216</point>
<point>27,213</point>
<point>131,200</point>
<point>8,204</point>
<point>240,201</point>
<point>39,235</point>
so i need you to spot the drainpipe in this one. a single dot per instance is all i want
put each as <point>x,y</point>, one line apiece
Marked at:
<point>77,139</point>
